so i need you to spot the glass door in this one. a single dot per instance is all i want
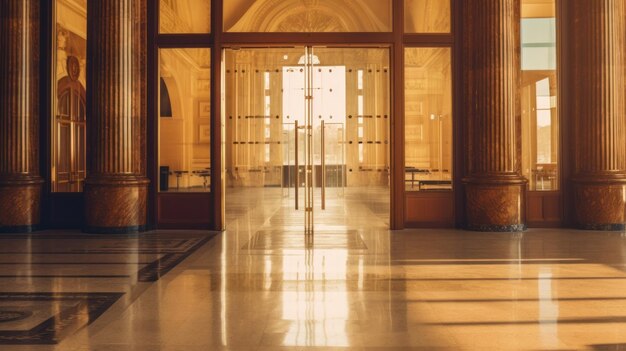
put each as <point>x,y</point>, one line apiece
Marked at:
<point>328,117</point>
<point>350,119</point>
<point>316,120</point>
<point>298,102</point>
<point>318,137</point>
<point>265,116</point>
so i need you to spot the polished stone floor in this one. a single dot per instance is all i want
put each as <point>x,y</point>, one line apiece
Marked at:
<point>258,287</point>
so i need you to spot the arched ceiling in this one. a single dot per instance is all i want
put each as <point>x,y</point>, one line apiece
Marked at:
<point>308,16</point>
<point>72,15</point>
<point>234,10</point>
<point>196,13</point>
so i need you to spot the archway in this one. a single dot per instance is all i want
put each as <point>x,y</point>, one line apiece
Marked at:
<point>313,16</point>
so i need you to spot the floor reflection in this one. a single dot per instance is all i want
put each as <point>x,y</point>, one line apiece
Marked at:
<point>315,315</point>
<point>360,286</point>
<point>54,284</point>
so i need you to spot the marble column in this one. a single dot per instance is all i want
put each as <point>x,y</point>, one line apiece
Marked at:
<point>116,185</point>
<point>594,65</point>
<point>494,187</point>
<point>20,181</point>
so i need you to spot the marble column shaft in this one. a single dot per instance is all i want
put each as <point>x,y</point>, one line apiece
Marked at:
<point>20,181</point>
<point>594,65</point>
<point>116,186</point>
<point>494,187</point>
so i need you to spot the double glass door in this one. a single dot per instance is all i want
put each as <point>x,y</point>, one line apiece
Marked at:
<point>315,95</point>
<point>296,118</point>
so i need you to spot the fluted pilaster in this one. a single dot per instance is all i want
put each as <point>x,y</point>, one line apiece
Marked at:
<point>20,181</point>
<point>495,189</point>
<point>116,186</point>
<point>595,66</point>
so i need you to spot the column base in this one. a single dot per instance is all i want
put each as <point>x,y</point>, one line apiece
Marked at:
<point>600,202</point>
<point>495,203</point>
<point>20,203</point>
<point>116,204</point>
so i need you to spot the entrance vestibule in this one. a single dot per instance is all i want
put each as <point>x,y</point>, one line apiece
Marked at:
<point>307,136</point>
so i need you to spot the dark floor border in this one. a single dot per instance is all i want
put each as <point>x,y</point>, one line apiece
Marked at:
<point>90,307</point>
<point>170,255</point>
<point>157,269</point>
<point>22,229</point>
<point>612,227</point>
<point>608,347</point>
<point>116,230</point>
<point>55,276</point>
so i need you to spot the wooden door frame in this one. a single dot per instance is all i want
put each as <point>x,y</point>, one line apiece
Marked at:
<point>58,210</point>
<point>218,40</point>
<point>397,39</point>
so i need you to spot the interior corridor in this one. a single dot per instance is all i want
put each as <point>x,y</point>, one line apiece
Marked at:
<point>193,175</point>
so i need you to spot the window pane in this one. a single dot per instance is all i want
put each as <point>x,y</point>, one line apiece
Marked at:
<point>427,16</point>
<point>540,120</point>
<point>538,58</point>
<point>307,16</point>
<point>69,117</point>
<point>538,30</point>
<point>428,119</point>
<point>185,16</point>
<point>538,39</point>
<point>356,121</point>
<point>184,131</point>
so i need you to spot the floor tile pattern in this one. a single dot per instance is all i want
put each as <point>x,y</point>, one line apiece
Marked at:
<point>53,284</point>
<point>71,312</point>
<point>258,286</point>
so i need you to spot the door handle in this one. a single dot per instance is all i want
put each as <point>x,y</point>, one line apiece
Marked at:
<point>297,164</point>
<point>323,142</point>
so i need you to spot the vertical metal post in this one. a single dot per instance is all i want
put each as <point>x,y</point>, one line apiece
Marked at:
<point>297,164</point>
<point>308,194</point>
<point>440,121</point>
<point>282,171</point>
<point>343,159</point>
<point>323,156</point>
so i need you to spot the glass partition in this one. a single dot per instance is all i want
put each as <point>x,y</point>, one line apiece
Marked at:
<point>185,16</point>
<point>185,120</point>
<point>307,16</point>
<point>351,94</point>
<point>256,82</point>
<point>540,119</point>
<point>69,103</point>
<point>427,16</point>
<point>286,108</point>
<point>428,119</point>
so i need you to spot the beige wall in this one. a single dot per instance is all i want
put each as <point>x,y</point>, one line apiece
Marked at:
<point>182,146</point>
